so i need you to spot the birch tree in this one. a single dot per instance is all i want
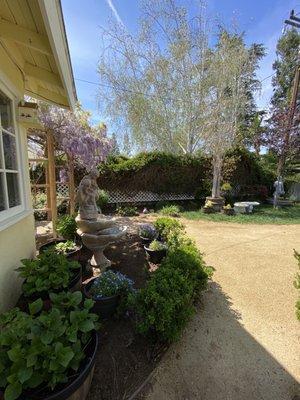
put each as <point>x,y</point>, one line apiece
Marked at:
<point>156,82</point>
<point>232,66</point>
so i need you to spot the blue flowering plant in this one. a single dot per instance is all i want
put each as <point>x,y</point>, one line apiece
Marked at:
<point>111,284</point>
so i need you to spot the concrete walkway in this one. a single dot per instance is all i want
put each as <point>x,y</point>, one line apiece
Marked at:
<point>243,343</point>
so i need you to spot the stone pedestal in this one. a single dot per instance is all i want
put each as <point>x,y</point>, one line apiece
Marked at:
<point>217,202</point>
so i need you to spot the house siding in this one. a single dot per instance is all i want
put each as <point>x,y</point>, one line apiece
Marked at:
<point>17,234</point>
<point>16,242</point>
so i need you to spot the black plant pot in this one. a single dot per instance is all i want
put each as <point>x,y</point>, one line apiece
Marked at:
<point>155,256</point>
<point>145,241</point>
<point>104,307</point>
<point>77,387</point>
<point>73,255</point>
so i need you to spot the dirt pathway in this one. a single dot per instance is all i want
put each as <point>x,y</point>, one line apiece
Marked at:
<point>243,343</point>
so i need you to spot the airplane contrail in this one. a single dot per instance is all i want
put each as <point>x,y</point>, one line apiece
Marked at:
<point>114,11</point>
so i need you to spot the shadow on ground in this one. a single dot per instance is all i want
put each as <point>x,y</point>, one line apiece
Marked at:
<point>218,359</point>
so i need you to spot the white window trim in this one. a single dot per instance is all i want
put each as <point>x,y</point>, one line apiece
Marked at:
<point>15,214</point>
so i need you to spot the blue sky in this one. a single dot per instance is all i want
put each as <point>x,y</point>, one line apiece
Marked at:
<point>262,21</point>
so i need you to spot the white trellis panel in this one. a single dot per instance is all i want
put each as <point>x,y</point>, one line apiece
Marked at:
<point>117,196</point>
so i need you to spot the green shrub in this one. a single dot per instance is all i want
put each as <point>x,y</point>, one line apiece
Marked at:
<point>164,306</point>
<point>48,272</point>
<point>171,210</point>
<point>166,303</point>
<point>43,347</point>
<point>127,211</point>
<point>103,198</point>
<point>297,283</point>
<point>66,227</point>
<point>156,245</point>
<point>166,225</point>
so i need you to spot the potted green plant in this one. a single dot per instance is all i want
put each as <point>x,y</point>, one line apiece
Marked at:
<point>208,207</point>
<point>69,248</point>
<point>156,251</point>
<point>49,272</point>
<point>228,210</point>
<point>107,291</point>
<point>147,233</point>
<point>48,355</point>
<point>66,228</point>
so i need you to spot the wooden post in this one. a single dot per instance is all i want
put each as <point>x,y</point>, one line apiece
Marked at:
<point>52,180</point>
<point>71,185</point>
<point>46,167</point>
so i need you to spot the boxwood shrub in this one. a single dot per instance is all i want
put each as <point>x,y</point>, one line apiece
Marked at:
<point>164,306</point>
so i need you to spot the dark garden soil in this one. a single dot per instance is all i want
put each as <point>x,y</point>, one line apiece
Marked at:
<point>124,359</point>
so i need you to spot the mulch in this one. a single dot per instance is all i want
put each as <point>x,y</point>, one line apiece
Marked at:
<point>125,359</point>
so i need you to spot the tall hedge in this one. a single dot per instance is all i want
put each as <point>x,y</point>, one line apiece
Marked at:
<point>169,173</point>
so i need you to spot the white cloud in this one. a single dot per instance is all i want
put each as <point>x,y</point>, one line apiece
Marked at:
<point>114,11</point>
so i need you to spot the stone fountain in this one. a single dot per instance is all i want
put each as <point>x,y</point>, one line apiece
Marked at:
<point>95,229</point>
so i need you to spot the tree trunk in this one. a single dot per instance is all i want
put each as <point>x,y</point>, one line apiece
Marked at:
<point>217,169</point>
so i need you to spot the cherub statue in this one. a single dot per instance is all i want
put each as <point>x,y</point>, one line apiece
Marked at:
<point>87,194</point>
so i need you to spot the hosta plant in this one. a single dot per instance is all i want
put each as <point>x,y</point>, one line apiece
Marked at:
<point>48,272</point>
<point>43,348</point>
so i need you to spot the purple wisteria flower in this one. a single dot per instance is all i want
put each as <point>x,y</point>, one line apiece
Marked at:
<point>86,145</point>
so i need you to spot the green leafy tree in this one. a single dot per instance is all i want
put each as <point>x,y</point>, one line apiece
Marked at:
<point>287,52</point>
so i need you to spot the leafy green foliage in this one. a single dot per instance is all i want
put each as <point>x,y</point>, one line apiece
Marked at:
<point>127,211</point>
<point>297,284</point>
<point>50,271</point>
<point>103,198</point>
<point>164,306</point>
<point>165,226</point>
<point>181,173</point>
<point>64,247</point>
<point>170,210</point>
<point>44,347</point>
<point>156,245</point>
<point>66,227</point>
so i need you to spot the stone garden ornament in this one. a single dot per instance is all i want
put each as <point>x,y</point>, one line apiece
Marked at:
<point>95,229</point>
<point>279,190</point>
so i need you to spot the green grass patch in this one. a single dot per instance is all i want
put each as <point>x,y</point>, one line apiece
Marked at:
<point>262,215</point>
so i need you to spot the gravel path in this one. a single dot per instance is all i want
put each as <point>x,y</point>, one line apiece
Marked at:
<point>243,343</point>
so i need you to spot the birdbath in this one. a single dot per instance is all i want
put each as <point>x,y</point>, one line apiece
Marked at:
<point>96,230</point>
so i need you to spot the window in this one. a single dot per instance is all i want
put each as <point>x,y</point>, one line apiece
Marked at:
<point>10,196</point>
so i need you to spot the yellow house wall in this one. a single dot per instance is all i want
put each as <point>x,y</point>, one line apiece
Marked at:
<point>16,242</point>
<point>17,237</point>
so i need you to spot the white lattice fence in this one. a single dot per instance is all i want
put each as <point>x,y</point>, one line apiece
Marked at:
<point>62,190</point>
<point>118,196</point>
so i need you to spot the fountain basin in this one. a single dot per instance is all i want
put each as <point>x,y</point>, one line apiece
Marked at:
<point>92,226</point>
